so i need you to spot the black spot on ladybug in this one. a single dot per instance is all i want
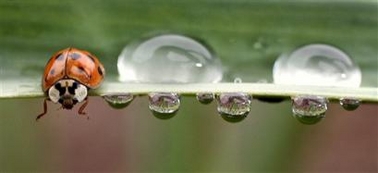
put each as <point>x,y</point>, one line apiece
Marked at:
<point>61,89</point>
<point>74,85</point>
<point>52,71</point>
<point>75,56</point>
<point>59,57</point>
<point>90,57</point>
<point>100,70</point>
<point>72,88</point>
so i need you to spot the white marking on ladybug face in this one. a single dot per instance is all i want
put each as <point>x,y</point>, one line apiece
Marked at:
<point>54,94</point>
<point>67,89</point>
<point>81,93</point>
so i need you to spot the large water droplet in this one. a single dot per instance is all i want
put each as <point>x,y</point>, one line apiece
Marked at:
<point>118,100</point>
<point>317,64</point>
<point>164,105</point>
<point>205,98</point>
<point>234,107</point>
<point>350,104</point>
<point>169,59</point>
<point>309,109</point>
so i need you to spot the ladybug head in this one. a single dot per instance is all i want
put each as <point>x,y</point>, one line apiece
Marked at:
<point>67,92</point>
<point>67,101</point>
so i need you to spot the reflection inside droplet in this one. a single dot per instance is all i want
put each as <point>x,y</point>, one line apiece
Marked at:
<point>309,109</point>
<point>118,100</point>
<point>164,105</point>
<point>169,59</point>
<point>317,64</point>
<point>205,98</point>
<point>234,107</point>
<point>350,104</point>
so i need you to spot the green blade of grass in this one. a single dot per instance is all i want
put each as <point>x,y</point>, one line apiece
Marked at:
<point>248,36</point>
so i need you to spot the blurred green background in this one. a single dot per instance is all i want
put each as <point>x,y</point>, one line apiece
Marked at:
<point>246,35</point>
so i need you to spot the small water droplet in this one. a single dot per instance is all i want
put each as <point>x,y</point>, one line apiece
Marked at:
<point>205,98</point>
<point>164,105</point>
<point>350,104</point>
<point>258,45</point>
<point>118,100</point>
<point>234,107</point>
<point>238,80</point>
<point>317,64</point>
<point>309,109</point>
<point>169,58</point>
<point>261,43</point>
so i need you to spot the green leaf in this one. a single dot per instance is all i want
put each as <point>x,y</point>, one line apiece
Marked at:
<point>247,36</point>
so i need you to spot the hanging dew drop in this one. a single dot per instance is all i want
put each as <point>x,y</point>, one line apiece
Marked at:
<point>309,109</point>
<point>317,65</point>
<point>234,107</point>
<point>205,98</point>
<point>169,58</point>
<point>164,105</point>
<point>350,104</point>
<point>118,100</point>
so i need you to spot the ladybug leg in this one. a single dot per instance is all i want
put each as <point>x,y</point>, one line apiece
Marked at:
<point>82,107</point>
<point>44,110</point>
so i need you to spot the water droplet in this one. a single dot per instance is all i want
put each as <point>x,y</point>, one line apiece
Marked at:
<point>258,45</point>
<point>234,107</point>
<point>350,104</point>
<point>169,59</point>
<point>118,100</point>
<point>205,98</point>
<point>164,105</point>
<point>309,109</point>
<point>261,43</point>
<point>317,64</point>
<point>238,80</point>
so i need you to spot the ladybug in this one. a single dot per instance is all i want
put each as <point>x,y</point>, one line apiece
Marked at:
<point>68,76</point>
